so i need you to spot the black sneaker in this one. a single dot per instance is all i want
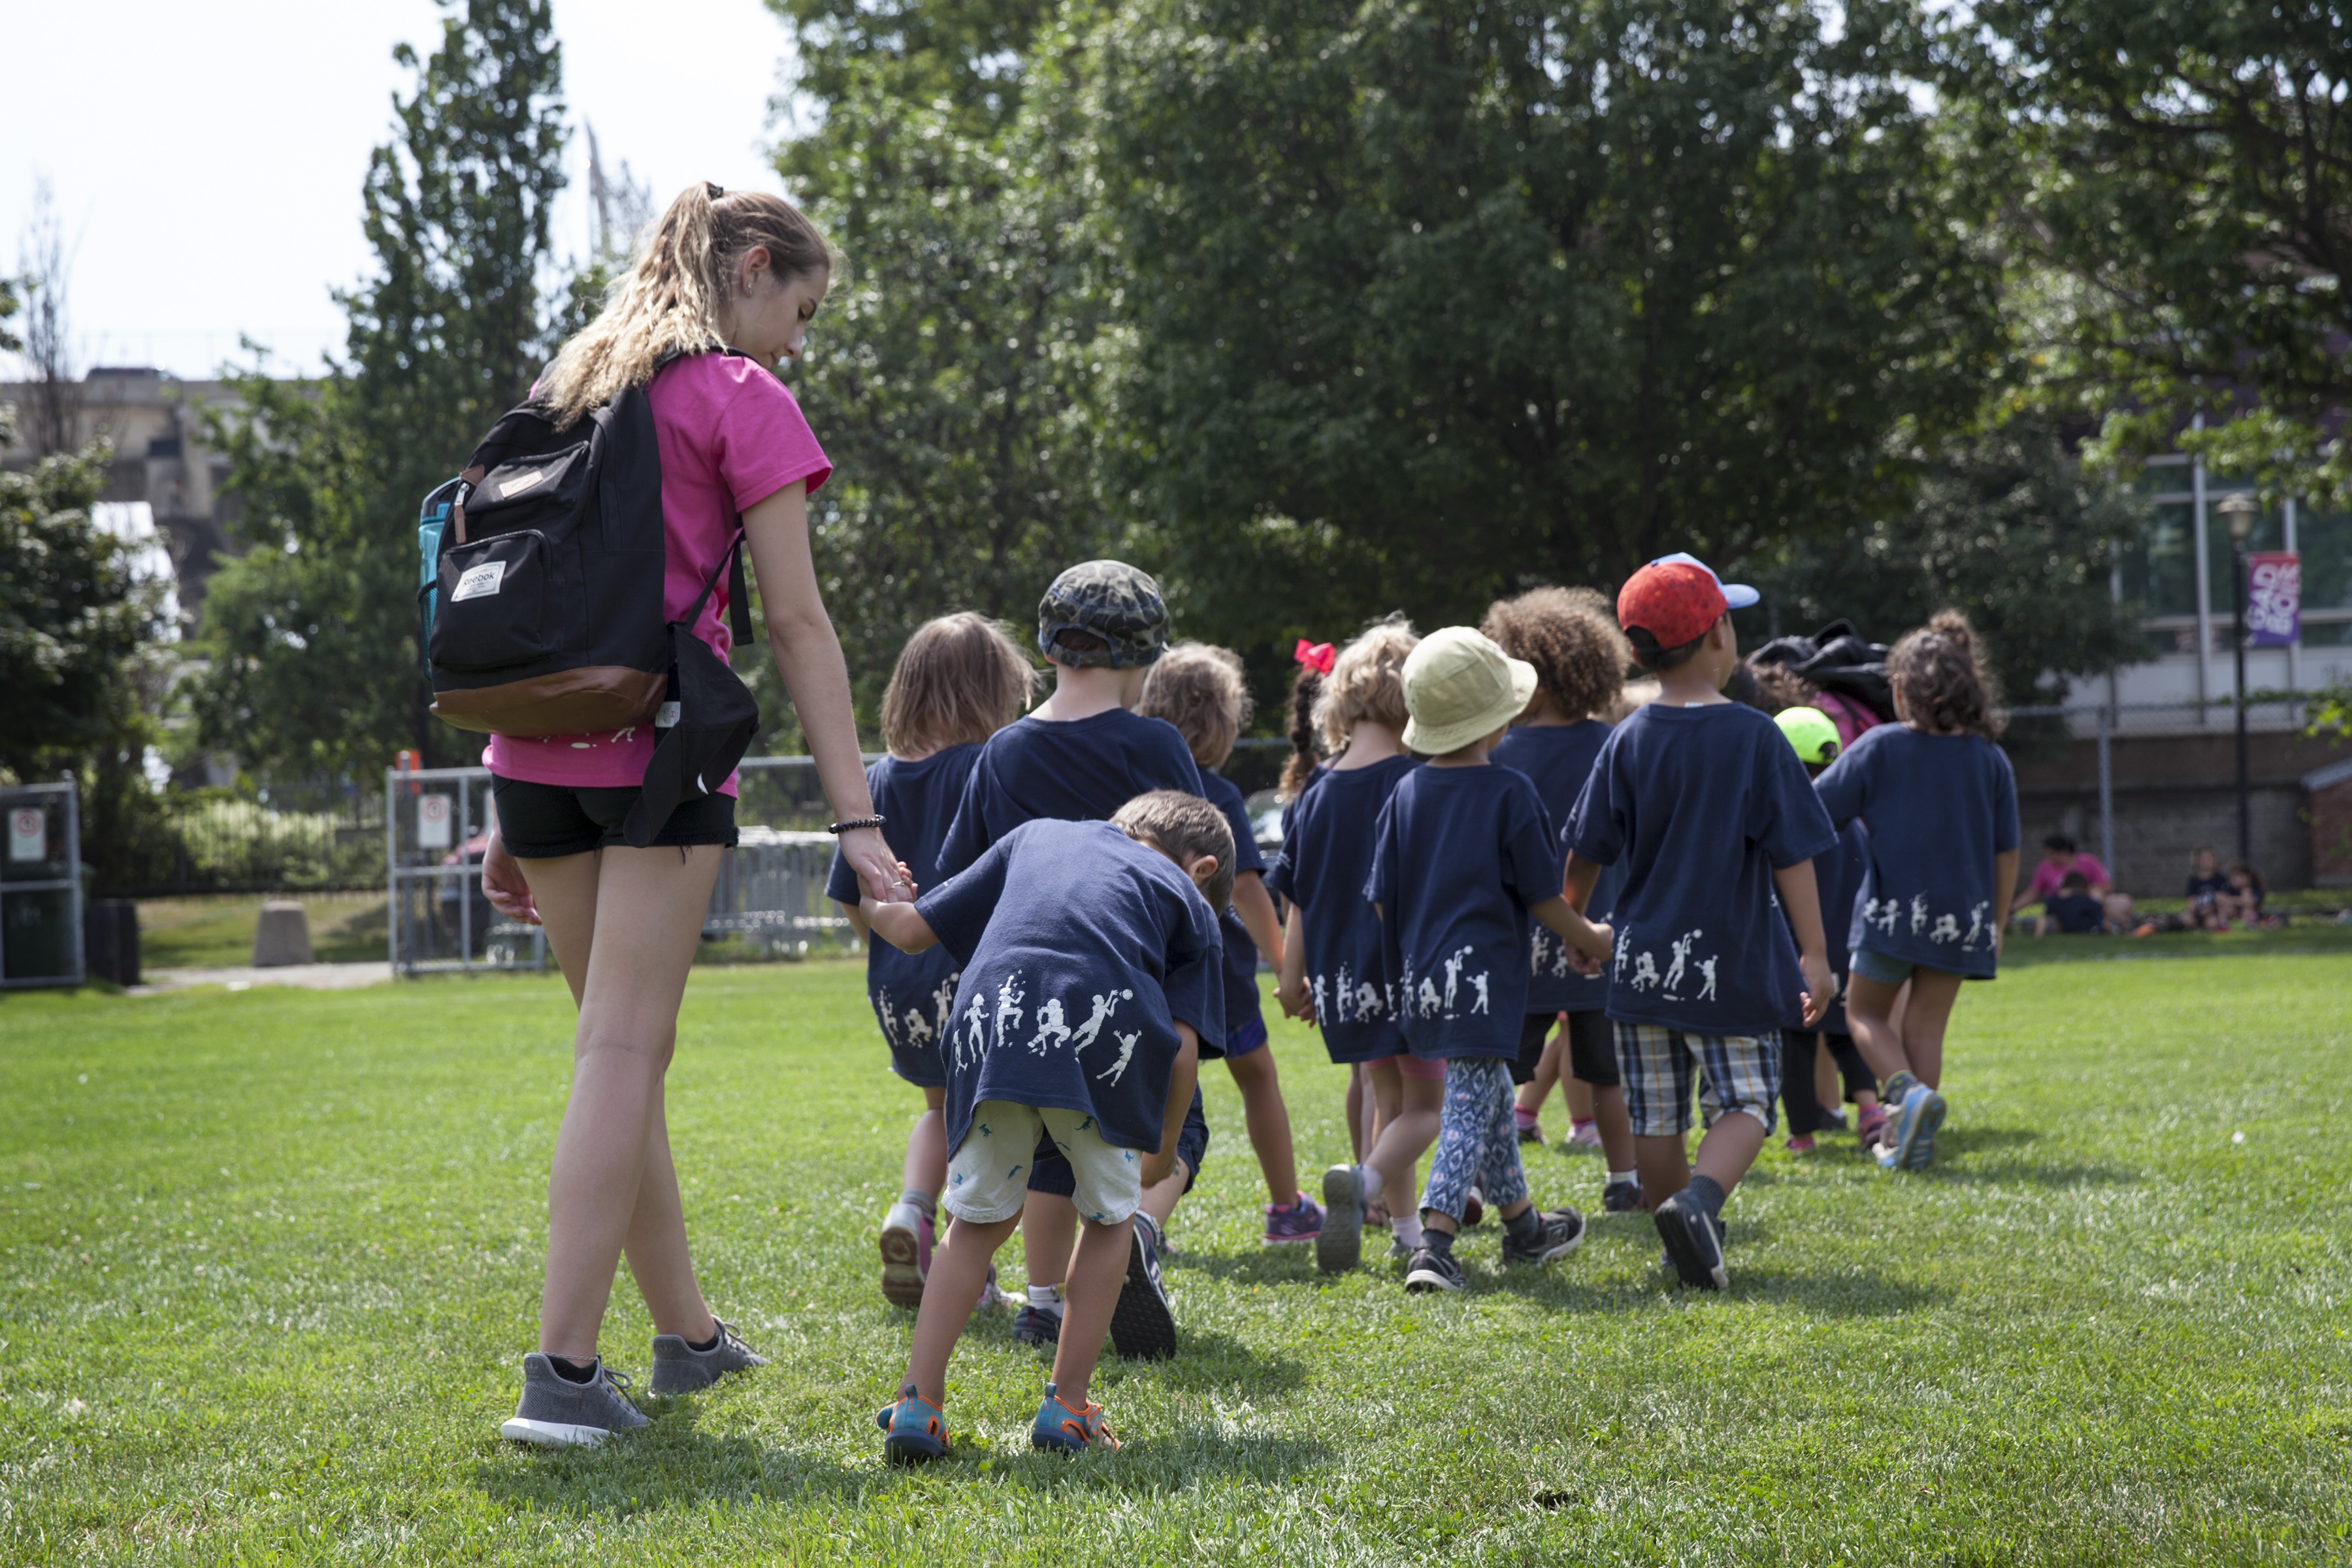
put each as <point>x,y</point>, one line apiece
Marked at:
<point>1433,1271</point>
<point>1562,1233</point>
<point>1141,1326</point>
<point>1694,1241</point>
<point>1033,1327</point>
<point>1620,1197</point>
<point>680,1368</point>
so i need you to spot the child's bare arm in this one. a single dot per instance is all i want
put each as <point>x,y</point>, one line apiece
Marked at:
<point>1800,895</point>
<point>1290,989</point>
<point>2004,888</point>
<point>900,926</point>
<point>1255,906</point>
<point>1585,939</point>
<point>1182,1078</point>
<point>1577,878</point>
<point>857,921</point>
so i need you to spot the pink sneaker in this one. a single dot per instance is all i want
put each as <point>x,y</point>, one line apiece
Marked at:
<point>1802,1143</point>
<point>1585,1134</point>
<point>1299,1221</point>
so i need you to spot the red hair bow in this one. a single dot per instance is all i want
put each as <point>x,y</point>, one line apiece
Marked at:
<point>1315,656</point>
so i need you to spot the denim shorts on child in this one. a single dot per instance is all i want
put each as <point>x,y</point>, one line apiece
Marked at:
<point>1879,967</point>
<point>1736,1072</point>
<point>988,1174</point>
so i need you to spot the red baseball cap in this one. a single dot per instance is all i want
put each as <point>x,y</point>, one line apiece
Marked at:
<point>1675,598</point>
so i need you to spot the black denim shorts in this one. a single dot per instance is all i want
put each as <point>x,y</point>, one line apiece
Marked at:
<point>546,822</point>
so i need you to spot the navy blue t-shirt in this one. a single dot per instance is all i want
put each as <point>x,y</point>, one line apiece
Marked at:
<point>1244,1022</point>
<point>1839,874</point>
<point>2079,914</point>
<point>1082,950</point>
<point>913,994</point>
<point>1325,866</point>
<point>1075,770</point>
<point>1461,854</point>
<point>1938,807</point>
<point>1702,804</point>
<point>1558,758</point>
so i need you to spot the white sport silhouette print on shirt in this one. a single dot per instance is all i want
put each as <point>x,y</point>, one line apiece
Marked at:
<point>1117,1070</point>
<point>1682,946</point>
<point>1368,1002</point>
<point>1104,1006</point>
<point>1645,971</point>
<point>943,1002</point>
<point>1478,983</point>
<point>1008,1006</point>
<point>1976,926</point>
<point>1538,949</point>
<point>883,1006</point>
<point>973,1044</point>
<point>1706,973</point>
<point>1052,1029</point>
<point>1918,913</point>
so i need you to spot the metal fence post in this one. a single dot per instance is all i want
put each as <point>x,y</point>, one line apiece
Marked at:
<point>2106,793</point>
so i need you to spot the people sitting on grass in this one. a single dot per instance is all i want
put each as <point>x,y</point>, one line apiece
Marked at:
<point>2239,902</point>
<point>2073,910</point>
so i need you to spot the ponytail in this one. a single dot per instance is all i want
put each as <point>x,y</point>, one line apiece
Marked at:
<point>671,300</point>
<point>1298,718</point>
<point>1946,684</point>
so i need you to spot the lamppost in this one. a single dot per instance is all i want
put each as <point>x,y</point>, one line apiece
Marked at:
<point>2240,510</point>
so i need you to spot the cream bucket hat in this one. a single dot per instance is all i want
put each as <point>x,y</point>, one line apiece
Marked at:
<point>1459,687</point>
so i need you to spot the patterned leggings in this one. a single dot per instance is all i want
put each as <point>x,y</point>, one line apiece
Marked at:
<point>1477,1141</point>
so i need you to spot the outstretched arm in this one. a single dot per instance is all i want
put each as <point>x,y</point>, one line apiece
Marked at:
<point>900,926</point>
<point>1182,1078</point>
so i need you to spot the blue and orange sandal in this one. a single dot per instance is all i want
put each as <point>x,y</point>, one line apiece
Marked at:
<point>917,1428</point>
<point>1069,1431</point>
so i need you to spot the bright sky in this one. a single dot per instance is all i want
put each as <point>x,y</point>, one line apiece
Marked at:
<point>206,158</point>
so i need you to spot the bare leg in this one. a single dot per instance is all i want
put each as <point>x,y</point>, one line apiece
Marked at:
<point>1358,1114</point>
<point>926,1170</point>
<point>1578,1095</point>
<point>1268,1120</point>
<point>1406,1137</point>
<point>1161,1201</point>
<point>959,1268</point>
<point>1098,1270</point>
<point>1729,1147</point>
<point>1925,1017</point>
<point>1532,1094</point>
<point>624,924</point>
<point>1869,1008</point>
<point>1049,1225</point>
<point>1616,1127</point>
<point>1665,1165</point>
<point>1829,1089</point>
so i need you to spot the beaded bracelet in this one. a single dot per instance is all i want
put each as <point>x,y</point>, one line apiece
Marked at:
<point>837,828</point>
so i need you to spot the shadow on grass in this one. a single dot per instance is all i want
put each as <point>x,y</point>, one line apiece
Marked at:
<point>674,1464</point>
<point>1956,1145</point>
<point>1846,1294</point>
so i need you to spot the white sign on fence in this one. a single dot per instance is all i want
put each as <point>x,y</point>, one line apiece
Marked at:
<point>28,835</point>
<point>433,814</point>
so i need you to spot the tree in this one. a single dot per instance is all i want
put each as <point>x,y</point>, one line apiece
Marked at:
<point>2004,527</point>
<point>312,632</point>
<point>1429,300</point>
<point>55,394</point>
<point>2177,182</point>
<point>951,376</point>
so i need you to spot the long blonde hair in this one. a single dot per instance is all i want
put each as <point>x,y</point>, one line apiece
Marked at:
<point>668,302</point>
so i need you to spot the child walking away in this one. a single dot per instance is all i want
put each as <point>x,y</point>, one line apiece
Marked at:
<point>1080,756</point>
<point>1464,854</point>
<point>1580,658</point>
<point>1814,738</point>
<point>1705,805</point>
<point>959,680</point>
<point>1200,689</point>
<point>1940,803</point>
<point>1333,974</point>
<point>1090,960</point>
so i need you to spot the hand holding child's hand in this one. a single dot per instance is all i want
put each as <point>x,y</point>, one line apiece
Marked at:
<point>1296,1000</point>
<point>1591,960</point>
<point>1821,986</point>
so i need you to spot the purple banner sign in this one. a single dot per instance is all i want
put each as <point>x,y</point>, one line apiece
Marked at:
<point>2273,597</point>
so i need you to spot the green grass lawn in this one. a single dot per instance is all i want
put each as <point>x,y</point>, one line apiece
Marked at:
<point>270,1260</point>
<point>215,930</point>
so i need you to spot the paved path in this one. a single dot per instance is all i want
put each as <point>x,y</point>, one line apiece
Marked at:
<point>308,976</point>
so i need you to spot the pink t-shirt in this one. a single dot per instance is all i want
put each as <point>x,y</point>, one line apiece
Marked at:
<point>2048,873</point>
<point>730,436</point>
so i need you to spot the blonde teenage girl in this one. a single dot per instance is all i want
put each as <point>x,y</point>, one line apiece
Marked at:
<point>745,270</point>
<point>960,679</point>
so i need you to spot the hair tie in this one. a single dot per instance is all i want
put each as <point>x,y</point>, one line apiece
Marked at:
<point>1316,656</point>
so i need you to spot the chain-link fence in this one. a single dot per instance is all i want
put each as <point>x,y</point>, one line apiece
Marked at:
<point>769,901</point>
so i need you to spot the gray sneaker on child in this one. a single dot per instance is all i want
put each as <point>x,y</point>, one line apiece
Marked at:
<point>680,1368</point>
<point>1341,1244</point>
<point>557,1413</point>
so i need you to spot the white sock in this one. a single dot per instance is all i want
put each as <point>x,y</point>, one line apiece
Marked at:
<point>1633,1177</point>
<point>1408,1229</point>
<point>1046,1299</point>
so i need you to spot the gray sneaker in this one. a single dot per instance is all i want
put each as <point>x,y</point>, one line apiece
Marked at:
<point>1340,1244</point>
<point>557,1413</point>
<point>680,1368</point>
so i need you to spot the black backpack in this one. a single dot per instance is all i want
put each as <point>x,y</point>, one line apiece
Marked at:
<point>1837,658</point>
<point>546,618</point>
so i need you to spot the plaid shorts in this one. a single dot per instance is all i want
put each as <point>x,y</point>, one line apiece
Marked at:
<point>1736,1072</point>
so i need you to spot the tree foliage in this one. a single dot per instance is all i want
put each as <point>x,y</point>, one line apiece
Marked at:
<point>951,376</point>
<point>1431,299</point>
<point>2181,175</point>
<point>313,632</point>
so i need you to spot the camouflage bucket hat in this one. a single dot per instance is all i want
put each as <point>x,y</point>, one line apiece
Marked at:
<point>1115,602</point>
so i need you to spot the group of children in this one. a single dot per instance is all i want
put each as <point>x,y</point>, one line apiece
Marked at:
<point>1496,871</point>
